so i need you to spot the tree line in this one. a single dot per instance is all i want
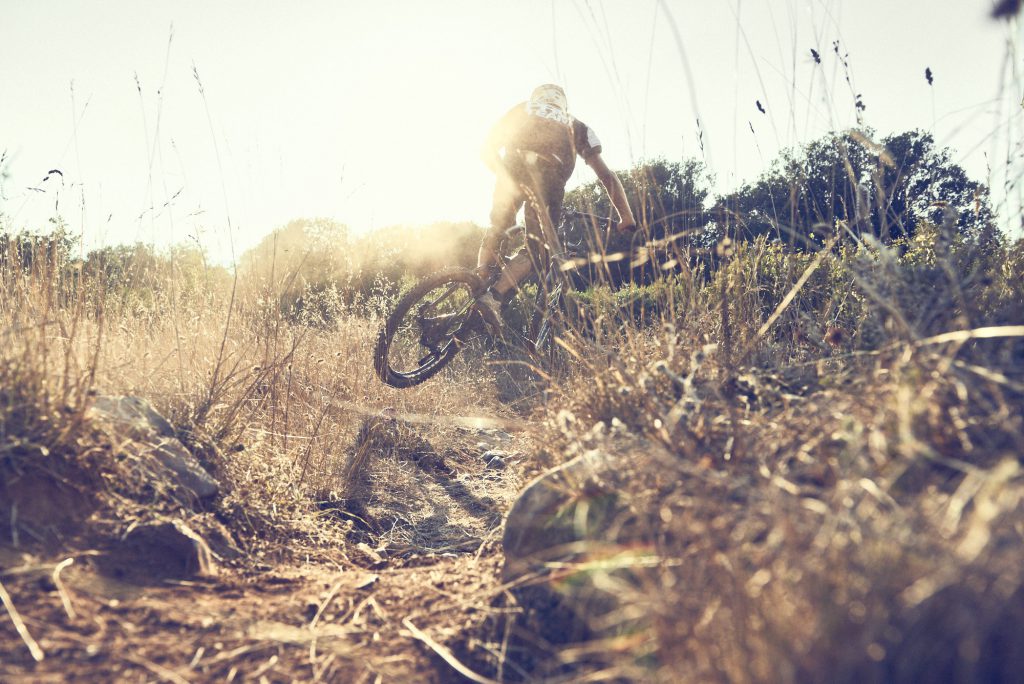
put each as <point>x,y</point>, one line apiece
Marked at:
<point>840,182</point>
<point>844,184</point>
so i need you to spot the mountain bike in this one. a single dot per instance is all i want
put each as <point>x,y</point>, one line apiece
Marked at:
<point>438,317</point>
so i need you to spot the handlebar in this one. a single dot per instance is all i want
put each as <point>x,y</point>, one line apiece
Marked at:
<point>603,221</point>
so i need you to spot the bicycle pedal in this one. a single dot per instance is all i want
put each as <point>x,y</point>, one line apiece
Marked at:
<point>490,313</point>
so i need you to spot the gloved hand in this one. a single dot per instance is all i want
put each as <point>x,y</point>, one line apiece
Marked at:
<point>621,240</point>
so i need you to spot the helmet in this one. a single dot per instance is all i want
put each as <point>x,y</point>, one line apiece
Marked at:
<point>550,94</point>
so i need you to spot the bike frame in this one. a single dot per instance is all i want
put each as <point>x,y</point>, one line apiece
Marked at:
<point>550,277</point>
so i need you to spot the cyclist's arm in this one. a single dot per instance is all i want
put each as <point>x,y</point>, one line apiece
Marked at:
<point>613,186</point>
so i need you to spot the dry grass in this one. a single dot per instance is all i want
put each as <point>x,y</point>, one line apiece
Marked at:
<point>826,481</point>
<point>829,483</point>
<point>272,407</point>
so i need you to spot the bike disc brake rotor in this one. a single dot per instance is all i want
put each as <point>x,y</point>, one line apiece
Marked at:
<point>435,331</point>
<point>430,328</point>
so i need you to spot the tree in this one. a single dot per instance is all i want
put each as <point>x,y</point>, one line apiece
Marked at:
<point>304,251</point>
<point>919,182</point>
<point>141,280</point>
<point>885,189</point>
<point>394,252</point>
<point>27,252</point>
<point>668,199</point>
<point>296,265</point>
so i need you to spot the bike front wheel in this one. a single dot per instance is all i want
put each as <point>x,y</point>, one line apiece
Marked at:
<point>427,328</point>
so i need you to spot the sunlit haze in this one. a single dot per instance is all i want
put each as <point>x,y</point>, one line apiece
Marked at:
<point>171,121</point>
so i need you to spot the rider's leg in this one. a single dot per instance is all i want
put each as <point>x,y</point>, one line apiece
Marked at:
<point>505,205</point>
<point>515,271</point>
<point>507,200</point>
<point>550,182</point>
<point>518,268</point>
<point>552,193</point>
<point>529,258</point>
<point>488,255</point>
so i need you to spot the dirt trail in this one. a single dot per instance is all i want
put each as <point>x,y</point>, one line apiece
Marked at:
<point>426,552</point>
<point>294,622</point>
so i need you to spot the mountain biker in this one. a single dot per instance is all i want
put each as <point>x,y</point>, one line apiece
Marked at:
<point>540,131</point>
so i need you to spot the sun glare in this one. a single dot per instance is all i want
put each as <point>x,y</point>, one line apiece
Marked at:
<point>176,123</point>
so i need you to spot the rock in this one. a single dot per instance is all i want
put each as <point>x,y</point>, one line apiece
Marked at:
<point>135,415</point>
<point>574,519</point>
<point>495,459</point>
<point>500,435</point>
<point>376,560</point>
<point>544,518</point>
<point>186,470</point>
<point>367,581</point>
<point>148,439</point>
<point>166,549</point>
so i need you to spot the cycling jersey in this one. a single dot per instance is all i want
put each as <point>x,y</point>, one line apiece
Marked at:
<point>548,130</point>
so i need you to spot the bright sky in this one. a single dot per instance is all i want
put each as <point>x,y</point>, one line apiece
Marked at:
<point>372,113</point>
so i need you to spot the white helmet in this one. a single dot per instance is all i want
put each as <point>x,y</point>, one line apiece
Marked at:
<point>550,94</point>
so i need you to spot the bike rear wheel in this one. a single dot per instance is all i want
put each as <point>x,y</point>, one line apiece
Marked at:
<point>427,328</point>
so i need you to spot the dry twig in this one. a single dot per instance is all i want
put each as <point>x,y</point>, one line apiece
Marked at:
<point>65,599</point>
<point>19,625</point>
<point>446,654</point>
